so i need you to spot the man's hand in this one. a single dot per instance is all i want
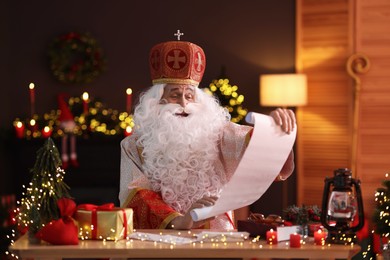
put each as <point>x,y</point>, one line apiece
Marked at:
<point>285,118</point>
<point>186,222</point>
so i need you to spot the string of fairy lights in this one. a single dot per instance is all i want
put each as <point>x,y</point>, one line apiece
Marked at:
<point>229,98</point>
<point>382,210</point>
<point>381,218</point>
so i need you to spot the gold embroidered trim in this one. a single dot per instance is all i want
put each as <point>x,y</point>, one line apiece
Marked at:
<point>168,220</point>
<point>130,197</point>
<point>175,81</point>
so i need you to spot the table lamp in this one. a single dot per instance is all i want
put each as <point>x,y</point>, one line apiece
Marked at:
<point>283,90</point>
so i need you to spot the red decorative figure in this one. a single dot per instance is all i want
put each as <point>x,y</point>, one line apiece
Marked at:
<point>68,125</point>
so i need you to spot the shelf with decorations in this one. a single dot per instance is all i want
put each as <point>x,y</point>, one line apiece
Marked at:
<point>90,116</point>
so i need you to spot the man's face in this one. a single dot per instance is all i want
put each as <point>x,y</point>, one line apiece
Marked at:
<point>178,94</point>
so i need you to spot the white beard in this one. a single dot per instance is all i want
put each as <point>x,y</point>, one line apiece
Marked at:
<point>180,152</point>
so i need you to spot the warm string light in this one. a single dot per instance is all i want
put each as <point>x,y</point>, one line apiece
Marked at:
<point>231,100</point>
<point>40,189</point>
<point>382,212</point>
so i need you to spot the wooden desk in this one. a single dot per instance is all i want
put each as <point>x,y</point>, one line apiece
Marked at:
<point>147,249</point>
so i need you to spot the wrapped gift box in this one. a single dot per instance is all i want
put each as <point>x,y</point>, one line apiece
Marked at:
<point>107,223</point>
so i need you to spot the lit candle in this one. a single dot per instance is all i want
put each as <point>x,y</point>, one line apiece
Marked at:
<point>295,240</point>
<point>319,237</point>
<point>313,227</point>
<point>85,102</point>
<point>33,125</point>
<point>19,129</point>
<point>129,93</point>
<point>46,132</point>
<point>271,237</point>
<point>32,98</point>
<point>128,131</point>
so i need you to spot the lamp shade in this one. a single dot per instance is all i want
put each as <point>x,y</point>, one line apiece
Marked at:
<point>283,90</point>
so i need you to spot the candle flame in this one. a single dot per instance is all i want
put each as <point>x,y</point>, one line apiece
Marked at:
<point>85,96</point>
<point>31,86</point>
<point>32,122</point>
<point>46,129</point>
<point>129,91</point>
<point>19,124</point>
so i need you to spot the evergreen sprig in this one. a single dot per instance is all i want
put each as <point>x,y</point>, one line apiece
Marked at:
<point>302,215</point>
<point>39,206</point>
<point>381,216</point>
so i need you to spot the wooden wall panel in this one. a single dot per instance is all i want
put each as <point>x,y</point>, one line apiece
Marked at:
<point>373,40</point>
<point>328,32</point>
<point>324,125</point>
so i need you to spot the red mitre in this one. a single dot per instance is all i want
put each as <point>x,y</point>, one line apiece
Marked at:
<point>177,62</point>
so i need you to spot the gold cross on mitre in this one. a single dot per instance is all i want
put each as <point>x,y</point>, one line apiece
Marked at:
<point>178,34</point>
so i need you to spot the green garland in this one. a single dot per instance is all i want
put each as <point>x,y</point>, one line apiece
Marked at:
<point>76,58</point>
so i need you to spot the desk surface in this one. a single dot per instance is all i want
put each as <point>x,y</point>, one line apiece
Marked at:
<point>148,249</point>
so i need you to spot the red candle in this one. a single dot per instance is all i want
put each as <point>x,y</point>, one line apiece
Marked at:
<point>128,131</point>
<point>129,93</point>
<point>295,240</point>
<point>314,227</point>
<point>32,98</point>
<point>46,132</point>
<point>85,102</point>
<point>271,237</point>
<point>33,125</point>
<point>19,129</point>
<point>319,237</point>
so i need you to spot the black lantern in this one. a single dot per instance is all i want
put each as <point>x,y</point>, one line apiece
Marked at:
<point>340,206</point>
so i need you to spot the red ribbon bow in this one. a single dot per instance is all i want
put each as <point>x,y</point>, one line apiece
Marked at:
<point>90,207</point>
<point>104,207</point>
<point>62,231</point>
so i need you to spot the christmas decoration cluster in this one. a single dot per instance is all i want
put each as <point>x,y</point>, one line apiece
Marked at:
<point>39,203</point>
<point>302,215</point>
<point>96,119</point>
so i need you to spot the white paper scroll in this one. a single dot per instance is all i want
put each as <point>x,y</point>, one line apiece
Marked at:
<point>263,159</point>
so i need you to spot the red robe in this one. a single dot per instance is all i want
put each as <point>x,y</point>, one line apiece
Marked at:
<point>150,210</point>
